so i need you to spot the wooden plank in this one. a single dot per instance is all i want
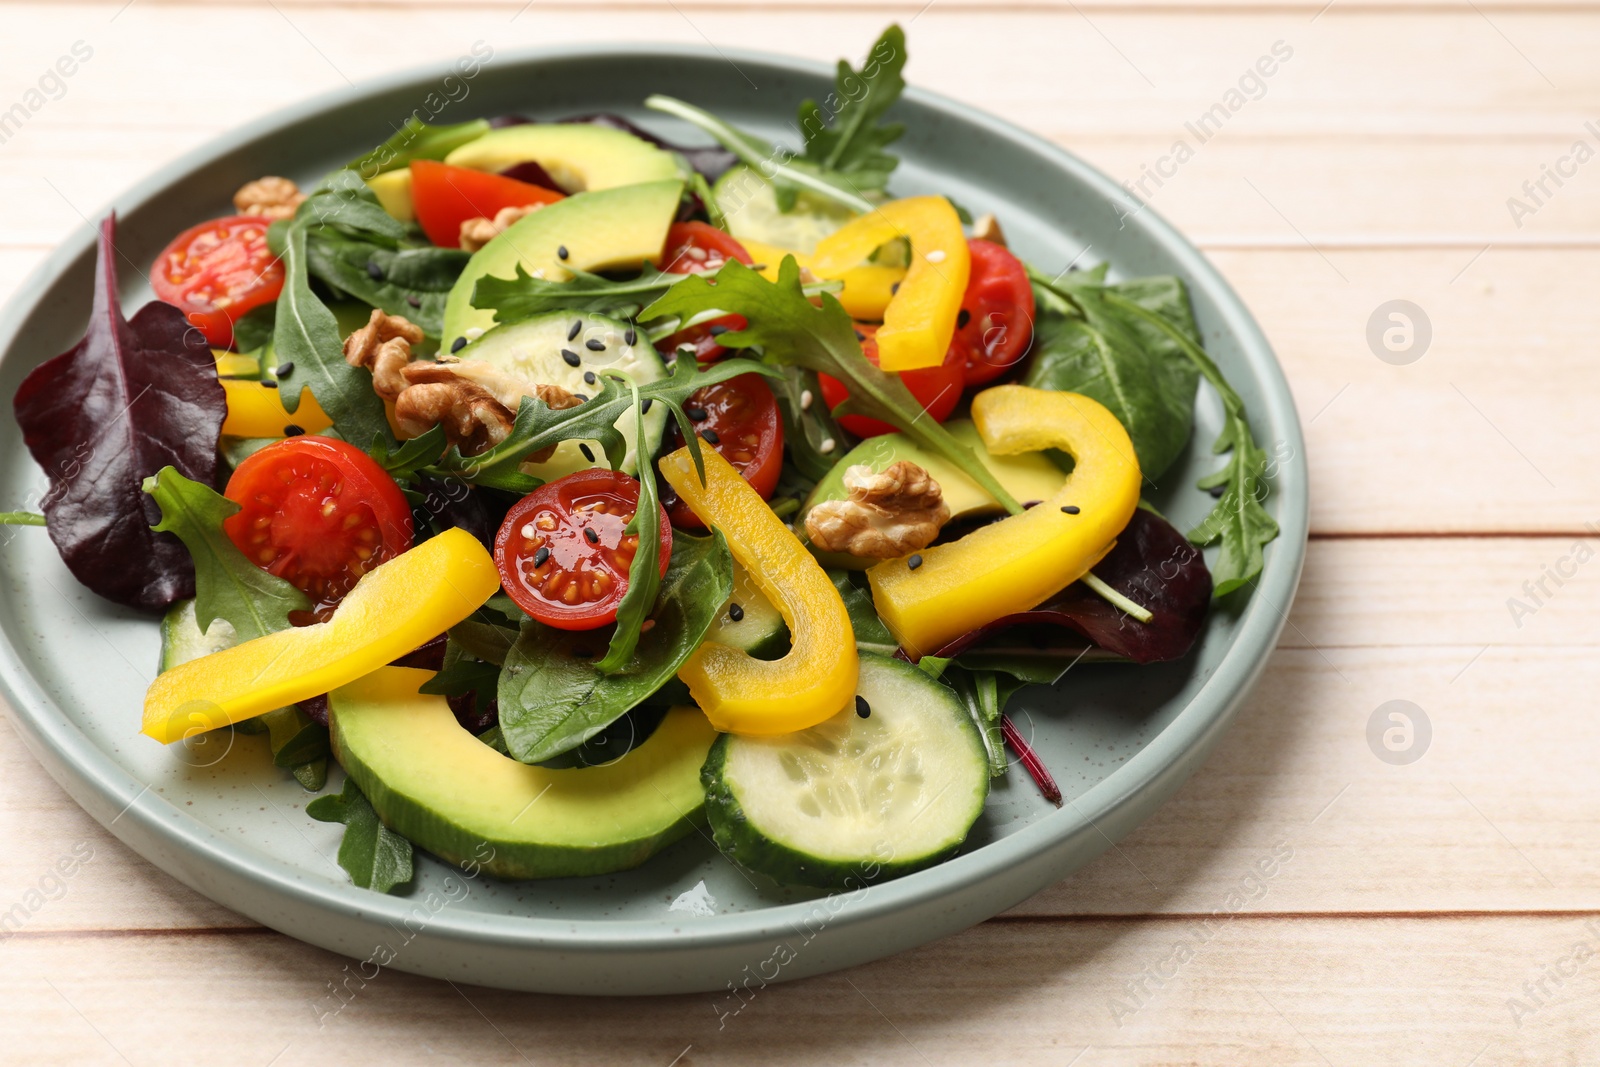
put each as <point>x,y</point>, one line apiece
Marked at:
<point>1308,992</point>
<point>1375,621</point>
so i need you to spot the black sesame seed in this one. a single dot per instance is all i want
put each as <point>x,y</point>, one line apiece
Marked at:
<point>588,454</point>
<point>582,398</point>
<point>717,330</point>
<point>572,358</point>
<point>577,324</point>
<point>631,336</point>
<point>1070,509</point>
<point>710,436</point>
<point>269,385</point>
<point>589,378</point>
<point>595,346</point>
<point>285,368</point>
<point>292,430</point>
<point>863,709</point>
<point>894,289</point>
<point>540,556</point>
<point>698,414</point>
<point>735,612</point>
<point>590,536</point>
<point>1026,504</point>
<point>914,562</point>
<point>860,336</point>
<point>561,252</point>
<point>963,318</point>
<point>1218,491</point>
<point>458,344</point>
<point>645,407</point>
<point>374,271</point>
<point>582,653</point>
<point>414,300</point>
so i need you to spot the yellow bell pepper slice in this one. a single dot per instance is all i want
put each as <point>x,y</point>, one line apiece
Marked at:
<point>394,608</point>
<point>920,319</point>
<point>817,679</point>
<point>867,288</point>
<point>1018,562</point>
<point>234,365</point>
<point>256,410</point>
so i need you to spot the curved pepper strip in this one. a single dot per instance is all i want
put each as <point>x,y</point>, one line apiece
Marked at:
<point>867,290</point>
<point>817,679</point>
<point>393,609</point>
<point>256,410</point>
<point>920,320</point>
<point>1018,562</point>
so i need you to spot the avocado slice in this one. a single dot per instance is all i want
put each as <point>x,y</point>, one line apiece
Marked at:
<point>453,795</point>
<point>611,229</point>
<point>578,156</point>
<point>1028,476</point>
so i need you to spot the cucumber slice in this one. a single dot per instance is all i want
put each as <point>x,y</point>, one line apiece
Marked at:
<point>182,639</point>
<point>854,800</point>
<point>533,349</point>
<point>747,201</point>
<point>759,630</point>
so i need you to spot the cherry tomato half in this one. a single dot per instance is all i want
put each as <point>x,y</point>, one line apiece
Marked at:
<point>739,418</point>
<point>317,513</point>
<point>937,389</point>
<point>446,196</point>
<point>694,248</point>
<point>995,325</point>
<point>217,271</point>
<point>561,551</point>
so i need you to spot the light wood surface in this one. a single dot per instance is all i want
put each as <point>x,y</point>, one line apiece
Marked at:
<point>1430,913</point>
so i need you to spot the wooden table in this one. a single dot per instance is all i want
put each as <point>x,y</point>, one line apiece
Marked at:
<point>1444,911</point>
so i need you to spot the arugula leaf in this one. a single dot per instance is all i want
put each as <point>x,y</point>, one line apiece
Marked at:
<point>808,425</point>
<point>416,140</point>
<point>871,634</point>
<point>227,585</point>
<point>413,454</point>
<point>375,856</point>
<point>553,696</point>
<point>414,282</point>
<point>794,332</point>
<point>644,572</point>
<point>1087,346</point>
<point>522,297</point>
<point>537,426</point>
<point>306,334</point>
<point>1238,521</point>
<point>854,144</point>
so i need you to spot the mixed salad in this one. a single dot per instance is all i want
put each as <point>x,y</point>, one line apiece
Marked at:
<point>570,489</point>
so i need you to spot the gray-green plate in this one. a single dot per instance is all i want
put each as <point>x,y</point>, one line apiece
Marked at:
<point>1120,739</point>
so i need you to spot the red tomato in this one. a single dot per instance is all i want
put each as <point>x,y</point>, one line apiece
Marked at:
<point>561,551</point>
<point>738,418</point>
<point>694,248</point>
<point>217,271</point>
<point>995,326</point>
<point>317,513</point>
<point>446,196</point>
<point>937,389</point>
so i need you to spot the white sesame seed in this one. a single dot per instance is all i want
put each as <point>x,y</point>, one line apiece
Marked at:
<point>826,446</point>
<point>805,400</point>
<point>697,254</point>
<point>472,333</point>
<point>936,256</point>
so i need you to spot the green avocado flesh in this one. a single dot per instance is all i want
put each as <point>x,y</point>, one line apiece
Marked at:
<point>577,156</point>
<point>1029,476</point>
<point>453,795</point>
<point>612,229</point>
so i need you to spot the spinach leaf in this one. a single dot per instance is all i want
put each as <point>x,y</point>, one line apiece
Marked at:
<point>1140,376</point>
<point>252,331</point>
<point>794,332</point>
<point>375,856</point>
<point>844,134</point>
<point>296,738</point>
<point>306,335</point>
<point>341,199</point>
<point>413,282</point>
<point>644,572</point>
<point>553,697</point>
<point>228,586</point>
<point>871,634</point>
<point>416,140</point>
<point>522,297</point>
<point>1238,521</point>
<point>130,398</point>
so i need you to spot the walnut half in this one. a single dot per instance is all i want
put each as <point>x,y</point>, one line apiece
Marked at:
<point>887,514</point>
<point>475,233</point>
<point>383,346</point>
<point>474,402</point>
<point>268,198</point>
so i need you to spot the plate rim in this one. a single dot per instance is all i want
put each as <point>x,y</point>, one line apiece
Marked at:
<point>65,750</point>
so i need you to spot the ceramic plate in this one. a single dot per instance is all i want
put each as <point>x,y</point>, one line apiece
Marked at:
<point>1119,739</point>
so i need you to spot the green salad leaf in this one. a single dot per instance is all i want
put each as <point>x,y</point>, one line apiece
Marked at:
<point>410,281</point>
<point>845,134</point>
<point>553,696</point>
<point>228,586</point>
<point>871,634</point>
<point>792,331</point>
<point>644,572</point>
<point>523,297</point>
<point>375,856</point>
<point>415,139</point>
